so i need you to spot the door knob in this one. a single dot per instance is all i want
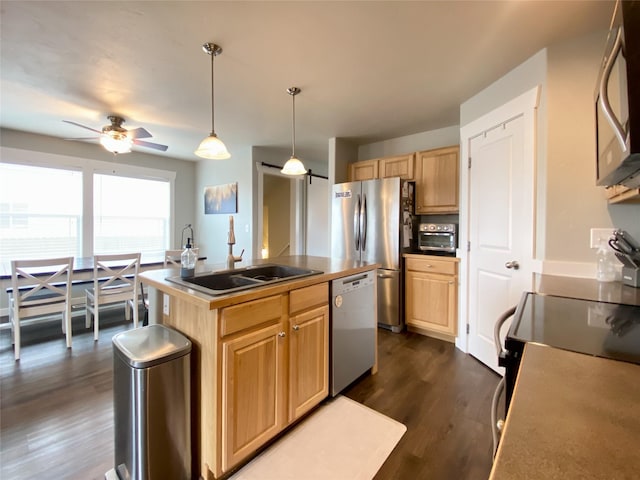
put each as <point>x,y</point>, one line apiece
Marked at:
<point>512,264</point>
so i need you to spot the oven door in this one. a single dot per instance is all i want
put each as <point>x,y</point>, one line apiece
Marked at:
<point>437,241</point>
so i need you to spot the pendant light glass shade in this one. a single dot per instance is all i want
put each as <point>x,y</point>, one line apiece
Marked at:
<point>293,166</point>
<point>212,147</point>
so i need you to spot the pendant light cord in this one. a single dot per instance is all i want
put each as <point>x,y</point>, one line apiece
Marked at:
<point>212,97</point>
<point>293,137</point>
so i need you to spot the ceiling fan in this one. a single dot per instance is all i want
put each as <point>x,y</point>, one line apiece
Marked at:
<point>116,139</point>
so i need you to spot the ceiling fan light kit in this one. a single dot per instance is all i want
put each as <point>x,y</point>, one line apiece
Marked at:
<point>293,166</point>
<point>212,147</point>
<point>117,139</point>
<point>116,142</point>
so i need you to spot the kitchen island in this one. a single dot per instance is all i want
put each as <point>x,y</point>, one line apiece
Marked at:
<point>260,357</point>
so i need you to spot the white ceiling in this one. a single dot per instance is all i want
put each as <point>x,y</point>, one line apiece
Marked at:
<point>368,71</point>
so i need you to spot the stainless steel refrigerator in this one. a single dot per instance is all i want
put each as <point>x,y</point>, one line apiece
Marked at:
<point>370,222</point>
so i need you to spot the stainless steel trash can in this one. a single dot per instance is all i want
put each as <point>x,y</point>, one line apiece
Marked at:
<point>151,392</point>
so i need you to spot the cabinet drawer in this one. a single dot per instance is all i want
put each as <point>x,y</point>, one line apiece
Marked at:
<point>250,314</point>
<point>432,265</point>
<point>304,298</point>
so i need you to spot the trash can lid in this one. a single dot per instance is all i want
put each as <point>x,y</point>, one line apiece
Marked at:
<point>147,346</point>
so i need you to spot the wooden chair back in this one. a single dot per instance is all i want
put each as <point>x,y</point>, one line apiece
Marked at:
<point>40,287</point>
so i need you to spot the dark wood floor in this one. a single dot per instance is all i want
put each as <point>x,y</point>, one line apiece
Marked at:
<point>56,405</point>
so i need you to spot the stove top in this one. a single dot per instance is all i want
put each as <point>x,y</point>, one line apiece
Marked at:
<point>601,329</point>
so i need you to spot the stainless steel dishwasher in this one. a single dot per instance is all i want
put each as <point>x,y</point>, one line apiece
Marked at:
<point>353,328</point>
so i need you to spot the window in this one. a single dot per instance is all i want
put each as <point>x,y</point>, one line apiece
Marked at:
<point>130,215</point>
<point>54,206</point>
<point>40,212</point>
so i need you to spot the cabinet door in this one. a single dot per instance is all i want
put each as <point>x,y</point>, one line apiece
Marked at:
<point>252,391</point>
<point>437,181</point>
<point>398,166</point>
<point>365,170</point>
<point>431,302</point>
<point>308,360</point>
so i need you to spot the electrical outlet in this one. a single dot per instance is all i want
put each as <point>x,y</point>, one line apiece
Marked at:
<point>599,234</point>
<point>165,305</point>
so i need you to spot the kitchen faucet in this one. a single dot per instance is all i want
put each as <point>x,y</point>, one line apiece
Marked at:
<point>231,258</point>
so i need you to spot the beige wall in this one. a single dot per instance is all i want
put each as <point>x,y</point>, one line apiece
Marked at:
<point>442,137</point>
<point>575,203</point>
<point>568,202</point>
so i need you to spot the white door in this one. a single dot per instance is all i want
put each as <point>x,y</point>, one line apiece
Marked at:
<point>500,231</point>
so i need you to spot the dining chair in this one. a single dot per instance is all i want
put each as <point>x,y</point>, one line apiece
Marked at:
<point>40,287</point>
<point>172,257</point>
<point>115,280</point>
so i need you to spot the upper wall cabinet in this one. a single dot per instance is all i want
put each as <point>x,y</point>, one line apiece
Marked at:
<point>437,179</point>
<point>396,166</point>
<point>365,170</point>
<point>622,194</point>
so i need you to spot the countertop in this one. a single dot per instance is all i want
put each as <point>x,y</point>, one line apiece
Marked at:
<point>331,268</point>
<point>587,289</point>
<point>573,416</point>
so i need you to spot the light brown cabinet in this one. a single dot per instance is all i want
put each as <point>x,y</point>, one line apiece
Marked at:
<point>398,166</point>
<point>365,170</point>
<point>431,295</point>
<point>275,367</point>
<point>622,194</point>
<point>252,385</point>
<point>437,180</point>
<point>308,360</point>
<point>395,166</point>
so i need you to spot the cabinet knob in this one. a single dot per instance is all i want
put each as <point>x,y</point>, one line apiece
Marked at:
<point>296,327</point>
<point>282,334</point>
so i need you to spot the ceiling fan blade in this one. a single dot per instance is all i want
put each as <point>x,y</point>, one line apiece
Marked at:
<point>138,133</point>
<point>155,146</point>
<point>82,126</point>
<point>83,139</point>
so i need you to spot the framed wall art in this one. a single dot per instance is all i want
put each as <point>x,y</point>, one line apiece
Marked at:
<point>221,199</point>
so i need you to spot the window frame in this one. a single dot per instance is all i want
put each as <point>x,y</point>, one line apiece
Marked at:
<point>89,167</point>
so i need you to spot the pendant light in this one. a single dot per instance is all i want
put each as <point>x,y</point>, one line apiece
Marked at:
<point>293,165</point>
<point>212,147</point>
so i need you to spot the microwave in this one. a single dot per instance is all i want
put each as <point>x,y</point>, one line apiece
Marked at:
<point>617,101</point>
<point>437,237</point>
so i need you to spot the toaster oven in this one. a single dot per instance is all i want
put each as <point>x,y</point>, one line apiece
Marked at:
<point>438,237</point>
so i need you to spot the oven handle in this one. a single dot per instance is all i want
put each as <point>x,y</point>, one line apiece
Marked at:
<point>496,330</point>
<point>496,424</point>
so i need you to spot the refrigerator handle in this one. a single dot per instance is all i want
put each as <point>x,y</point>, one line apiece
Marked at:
<point>356,223</point>
<point>363,222</point>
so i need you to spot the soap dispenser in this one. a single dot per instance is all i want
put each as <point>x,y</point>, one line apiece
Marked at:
<point>188,261</point>
<point>606,270</point>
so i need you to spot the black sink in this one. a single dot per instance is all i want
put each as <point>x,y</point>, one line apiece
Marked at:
<point>268,273</point>
<point>228,281</point>
<point>219,281</point>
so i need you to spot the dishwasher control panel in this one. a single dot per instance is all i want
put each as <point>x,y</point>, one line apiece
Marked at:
<point>354,282</point>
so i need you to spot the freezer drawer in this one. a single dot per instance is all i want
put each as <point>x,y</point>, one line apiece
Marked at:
<point>390,313</point>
